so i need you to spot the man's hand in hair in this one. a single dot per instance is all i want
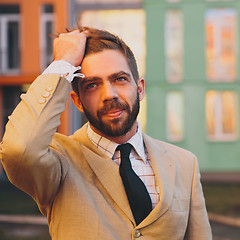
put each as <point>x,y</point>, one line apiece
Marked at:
<point>70,47</point>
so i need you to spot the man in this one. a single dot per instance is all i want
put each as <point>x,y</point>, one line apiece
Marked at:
<point>81,182</point>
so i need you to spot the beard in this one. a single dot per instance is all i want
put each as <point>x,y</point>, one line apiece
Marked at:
<point>116,127</point>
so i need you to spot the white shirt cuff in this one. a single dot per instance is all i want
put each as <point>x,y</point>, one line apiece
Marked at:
<point>63,68</point>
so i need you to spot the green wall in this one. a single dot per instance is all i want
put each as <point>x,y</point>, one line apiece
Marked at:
<point>212,156</point>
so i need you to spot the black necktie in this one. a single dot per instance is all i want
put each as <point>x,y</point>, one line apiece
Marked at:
<point>138,196</point>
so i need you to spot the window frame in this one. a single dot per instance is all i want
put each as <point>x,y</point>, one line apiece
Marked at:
<point>219,135</point>
<point>174,46</point>
<point>177,133</point>
<point>214,18</point>
<point>4,20</point>
<point>44,18</point>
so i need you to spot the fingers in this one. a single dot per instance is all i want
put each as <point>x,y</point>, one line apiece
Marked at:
<point>72,33</point>
<point>70,47</point>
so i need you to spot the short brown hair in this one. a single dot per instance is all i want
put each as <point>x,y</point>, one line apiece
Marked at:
<point>99,40</point>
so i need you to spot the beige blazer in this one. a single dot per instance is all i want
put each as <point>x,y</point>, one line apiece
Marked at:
<point>80,190</point>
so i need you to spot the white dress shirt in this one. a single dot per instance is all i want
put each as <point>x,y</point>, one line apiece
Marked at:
<point>140,161</point>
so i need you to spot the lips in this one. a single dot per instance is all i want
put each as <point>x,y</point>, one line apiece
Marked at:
<point>114,113</point>
<point>113,109</point>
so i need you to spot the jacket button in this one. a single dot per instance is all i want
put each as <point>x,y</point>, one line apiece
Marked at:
<point>42,100</point>
<point>137,233</point>
<point>49,88</point>
<point>46,94</point>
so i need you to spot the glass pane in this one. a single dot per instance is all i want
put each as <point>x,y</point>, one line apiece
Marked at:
<point>13,45</point>
<point>222,115</point>
<point>175,116</point>
<point>229,102</point>
<point>47,8</point>
<point>46,36</point>
<point>221,44</point>
<point>211,113</point>
<point>174,46</point>
<point>49,42</point>
<point>9,9</point>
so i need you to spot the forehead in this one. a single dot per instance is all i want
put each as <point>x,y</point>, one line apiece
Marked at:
<point>105,62</point>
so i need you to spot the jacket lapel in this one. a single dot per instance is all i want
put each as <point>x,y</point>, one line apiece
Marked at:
<point>108,174</point>
<point>106,170</point>
<point>164,168</point>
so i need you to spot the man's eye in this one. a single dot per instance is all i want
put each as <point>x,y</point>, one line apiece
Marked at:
<point>120,79</point>
<point>91,85</point>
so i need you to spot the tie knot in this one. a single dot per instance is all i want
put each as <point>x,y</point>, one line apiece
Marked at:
<point>125,149</point>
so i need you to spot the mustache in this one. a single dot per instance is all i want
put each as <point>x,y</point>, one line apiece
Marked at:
<point>114,104</point>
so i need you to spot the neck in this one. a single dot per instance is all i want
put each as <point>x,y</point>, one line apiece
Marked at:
<point>120,139</point>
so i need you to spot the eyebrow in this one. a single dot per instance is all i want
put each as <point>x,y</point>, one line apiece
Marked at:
<point>119,74</point>
<point>88,79</point>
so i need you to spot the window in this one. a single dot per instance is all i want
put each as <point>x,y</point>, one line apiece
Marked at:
<point>174,46</point>
<point>221,45</point>
<point>46,34</point>
<point>175,116</point>
<point>222,115</point>
<point>9,39</point>
<point>127,24</point>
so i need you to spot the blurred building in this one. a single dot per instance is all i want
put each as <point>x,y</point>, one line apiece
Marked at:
<point>193,80</point>
<point>27,30</point>
<point>26,47</point>
<point>186,49</point>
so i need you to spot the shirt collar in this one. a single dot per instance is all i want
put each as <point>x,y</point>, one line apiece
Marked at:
<point>137,143</point>
<point>103,144</point>
<point>108,147</point>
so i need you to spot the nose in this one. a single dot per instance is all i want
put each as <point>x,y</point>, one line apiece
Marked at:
<point>109,92</point>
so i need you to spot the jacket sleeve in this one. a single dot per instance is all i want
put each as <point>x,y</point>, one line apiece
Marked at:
<point>29,162</point>
<point>198,224</point>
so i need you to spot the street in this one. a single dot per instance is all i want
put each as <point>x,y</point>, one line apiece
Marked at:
<point>11,231</point>
<point>225,232</point>
<point>32,232</point>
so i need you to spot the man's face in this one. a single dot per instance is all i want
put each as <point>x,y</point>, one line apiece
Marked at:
<point>109,96</point>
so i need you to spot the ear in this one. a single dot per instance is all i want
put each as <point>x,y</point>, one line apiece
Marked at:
<point>76,101</point>
<point>141,88</point>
